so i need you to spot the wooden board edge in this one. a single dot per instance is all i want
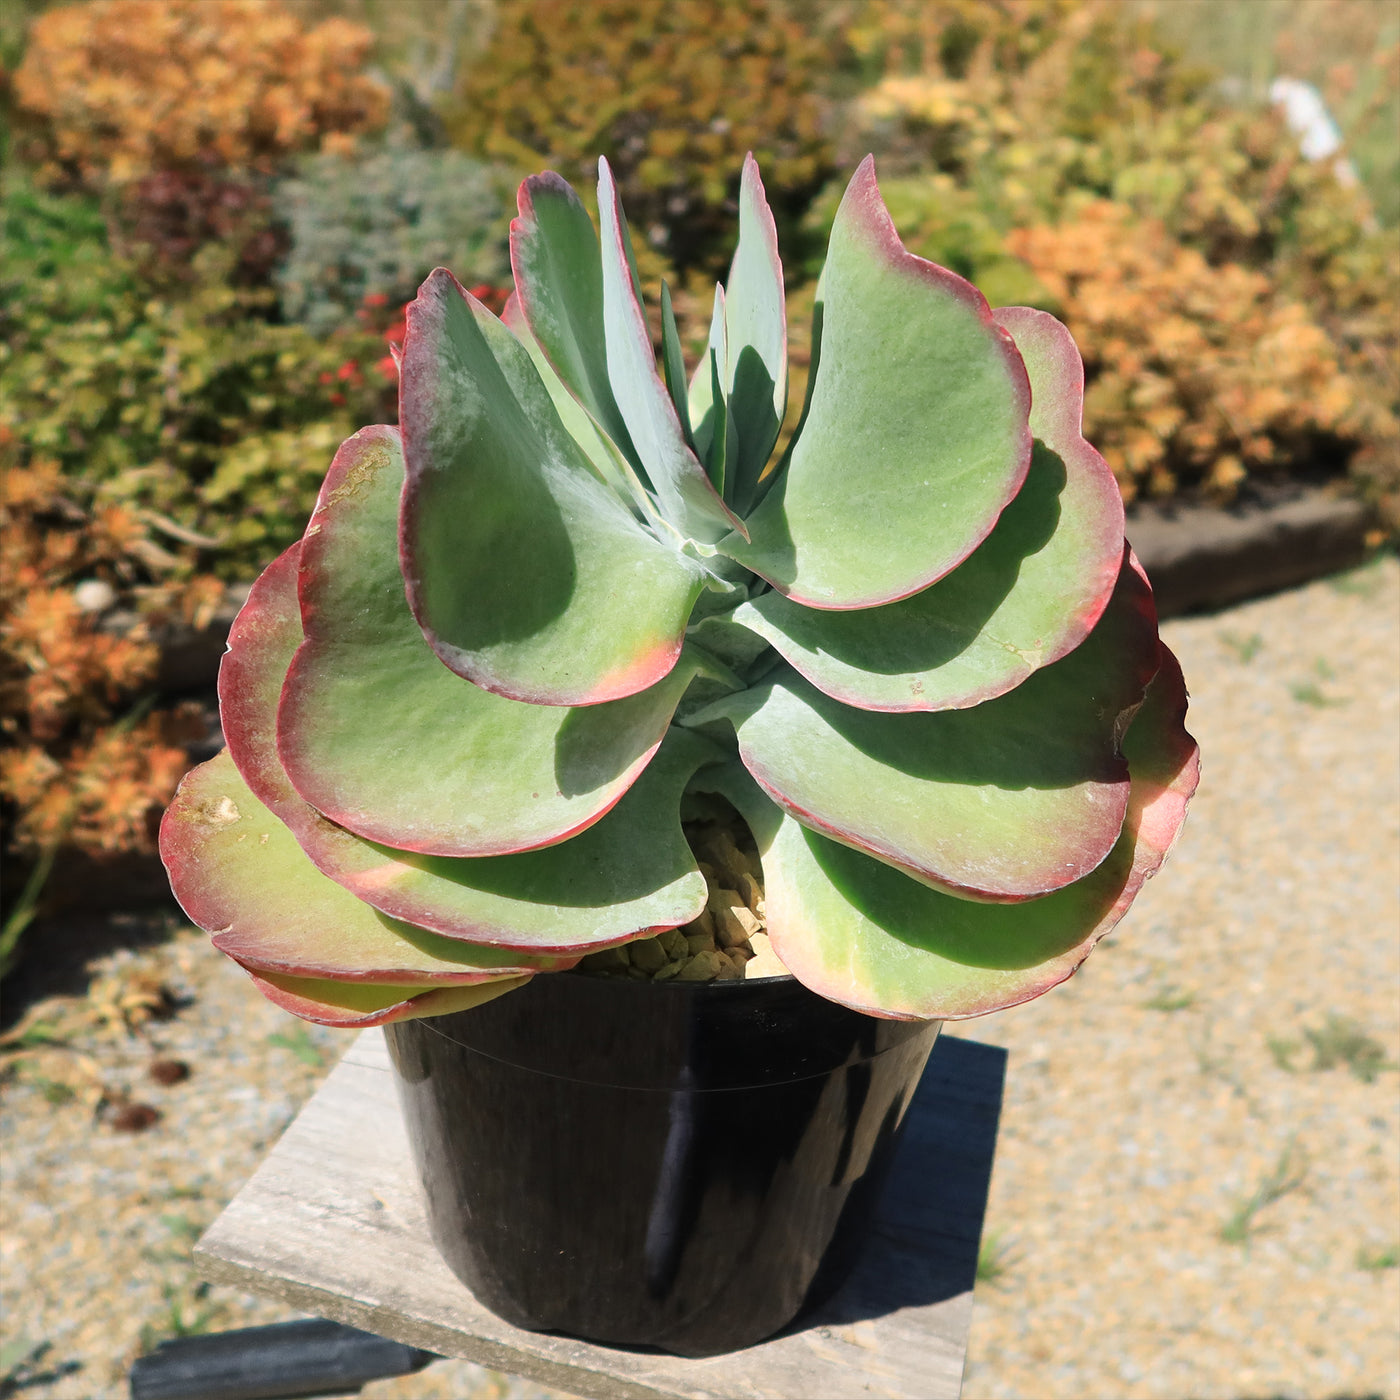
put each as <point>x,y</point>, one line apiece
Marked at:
<point>318,1302</point>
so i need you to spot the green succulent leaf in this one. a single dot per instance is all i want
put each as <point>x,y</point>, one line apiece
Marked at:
<point>528,576</point>
<point>916,435</point>
<point>261,643</point>
<point>860,933</point>
<point>706,389</point>
<point>555,257</point>
<point>608,461</point>
<point>1028,595</point>
<point>967,638</point>
<point>755,374</point>
<point>721,459</point>
<point>1007,800</point>
<point>628,874</point>
<point>673,362</point>
<point>687,497</point>
<point>239,872</point>
<point>377,734</point>
<point>353,1006</point>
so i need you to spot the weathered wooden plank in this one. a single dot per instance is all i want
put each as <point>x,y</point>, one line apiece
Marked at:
<point>332,1223</point>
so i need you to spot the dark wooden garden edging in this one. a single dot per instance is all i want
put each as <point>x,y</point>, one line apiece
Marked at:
<point>1204,557</point>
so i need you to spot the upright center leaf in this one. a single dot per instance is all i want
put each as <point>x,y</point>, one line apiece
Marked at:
<point>916,431</point>
<point>527,574</point>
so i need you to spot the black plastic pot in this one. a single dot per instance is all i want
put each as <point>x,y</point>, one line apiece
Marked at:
<point>686,1166</point>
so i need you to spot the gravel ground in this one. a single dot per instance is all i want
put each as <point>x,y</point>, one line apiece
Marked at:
<point>1197,1188</point>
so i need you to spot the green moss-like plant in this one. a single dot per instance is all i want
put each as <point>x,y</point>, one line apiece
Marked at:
<point>378,225</point>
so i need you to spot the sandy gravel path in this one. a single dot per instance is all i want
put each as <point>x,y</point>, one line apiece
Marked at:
<point>1155,1107</point>
<point>1173,1080</point>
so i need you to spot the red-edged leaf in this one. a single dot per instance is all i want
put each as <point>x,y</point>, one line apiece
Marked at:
<point>1005,801</point>
<point>685,493</point>
<point>377,734</point>
<point>1028,595</point>
<point>527,574</point>
<point>858,932</point>
<point>629,874</point>
<point>916,435</point>
<point>555,257</point>
<point>354,1006</point>
<point>261,643</point>
<point>240,874</point>
<point>755,378</point>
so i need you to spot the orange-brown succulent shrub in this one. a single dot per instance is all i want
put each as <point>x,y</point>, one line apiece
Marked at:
<point>1199,375</point>
<point>128,87</point>
<point>82,764</point>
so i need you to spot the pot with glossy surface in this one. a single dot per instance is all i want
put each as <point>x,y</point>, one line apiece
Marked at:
<point>687,1166</point>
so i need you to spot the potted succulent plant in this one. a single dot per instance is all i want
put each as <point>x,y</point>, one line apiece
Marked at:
<point>801,756</point>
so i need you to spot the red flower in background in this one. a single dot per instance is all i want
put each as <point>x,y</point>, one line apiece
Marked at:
<point>371,314</point>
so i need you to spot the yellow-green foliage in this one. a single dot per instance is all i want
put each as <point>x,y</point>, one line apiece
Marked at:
<point>127,87</point>
<point>952,36</point>
<point>1030,102</point>
<point>673,92</point>
<point>1051,104</point>
<point>185,405</point>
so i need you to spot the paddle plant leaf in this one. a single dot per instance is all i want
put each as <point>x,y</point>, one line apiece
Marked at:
<point>706,391</point>
<point>609,463</point>
<point>859,932</point>
<point>511,548</point>
<point>686,496</point>
<point>239,872</point>
<point>673,363</point>
<point>755,373</point>
<point>629,874</point>
<point>720,458</point>
<point>261,643</point>
<point>917,431</point>
<point>554,256</point>
<point>378,735</point>
<point>356,1005</point>
<point>1028,595</point>
<point>982,802</point>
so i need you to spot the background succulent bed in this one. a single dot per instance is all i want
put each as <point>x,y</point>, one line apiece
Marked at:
<point>572,601</point>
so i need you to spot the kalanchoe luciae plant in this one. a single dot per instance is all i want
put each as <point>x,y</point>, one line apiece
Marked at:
<point>915,653</point>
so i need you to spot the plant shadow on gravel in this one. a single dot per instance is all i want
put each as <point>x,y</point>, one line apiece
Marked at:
<point>21,1366</point>
<point>59,949</point>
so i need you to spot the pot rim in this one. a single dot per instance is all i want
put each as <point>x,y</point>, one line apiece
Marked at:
<point>426,1023</point>
<point>710,1037</point>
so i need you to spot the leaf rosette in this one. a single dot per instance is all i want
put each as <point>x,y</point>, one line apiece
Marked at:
<point>914,651</point>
